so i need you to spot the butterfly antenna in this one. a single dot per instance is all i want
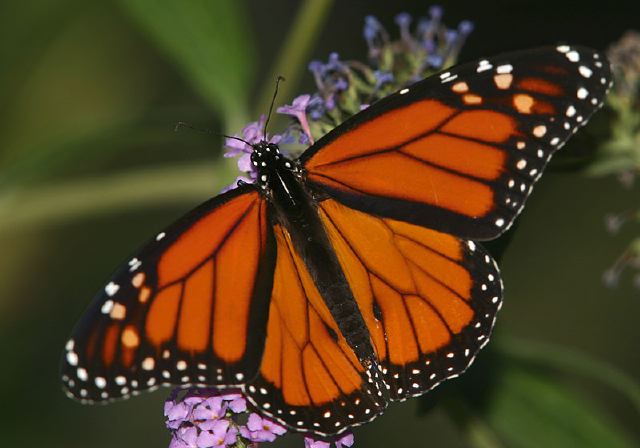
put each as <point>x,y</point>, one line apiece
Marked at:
<point>273,100</point>
<point>182,124</point>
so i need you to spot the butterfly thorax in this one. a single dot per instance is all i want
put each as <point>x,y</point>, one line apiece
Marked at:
<point>295,209</point>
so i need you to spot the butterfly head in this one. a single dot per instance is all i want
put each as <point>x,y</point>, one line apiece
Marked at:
<point>267,159</point>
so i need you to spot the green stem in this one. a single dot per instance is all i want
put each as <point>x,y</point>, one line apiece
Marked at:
<point>86,197</point>
<point>571,361</point>
<point>293,57</point>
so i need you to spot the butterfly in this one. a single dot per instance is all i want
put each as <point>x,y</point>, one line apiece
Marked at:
<point>350,277</point>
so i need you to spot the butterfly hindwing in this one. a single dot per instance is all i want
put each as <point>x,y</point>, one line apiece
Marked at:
<point>310,379</point>
<point>459,152</point>
<point>429,299</point>
<point>190,308</point>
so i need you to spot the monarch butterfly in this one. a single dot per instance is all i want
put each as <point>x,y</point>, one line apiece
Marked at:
<point>350,277</point>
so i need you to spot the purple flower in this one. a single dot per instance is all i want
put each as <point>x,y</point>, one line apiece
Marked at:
<point>298,109</point>
<point>382,78</point>
<point>237,403</point>
<point>375,35</point>
<point>436,12</point>
<point>220,434</point>
<point>465,27</point>
<point>316,107</point>
<point>310,443</point>
<point>260,429</point>
<point>332,79</point>
<point>186,438</point>
<point>346,440</point>
<point>176,413</point>
<point>204,418</point>
<point>403,20</point>
<point>209,411</point>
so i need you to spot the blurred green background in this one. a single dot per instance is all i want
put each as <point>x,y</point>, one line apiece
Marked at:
<point>90,166</point>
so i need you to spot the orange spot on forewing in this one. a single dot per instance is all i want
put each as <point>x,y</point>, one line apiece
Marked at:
<point>472,99</point>
<point>460,87</point>
<point>503,81</point>
<point>523,103</point>
<point>145,293</point>
<point>130,341</point>
<point>130,337</point>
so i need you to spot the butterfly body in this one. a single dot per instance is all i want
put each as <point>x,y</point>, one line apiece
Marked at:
<point>281,182</point>
<point>351,277</point>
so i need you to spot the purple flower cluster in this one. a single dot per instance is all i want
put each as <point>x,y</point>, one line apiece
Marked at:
<point>204,418</point>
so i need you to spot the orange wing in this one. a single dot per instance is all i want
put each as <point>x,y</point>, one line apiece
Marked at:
<point>309,378</point>
<point>428,298</point>
<point>191,307</point>
<point>460,152</point>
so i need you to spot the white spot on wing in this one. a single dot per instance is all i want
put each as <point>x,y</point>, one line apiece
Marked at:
<point>107,307</point>
<point>111,288</point>
<point>72,358</point>
<point>582,93</point>
<point>585,71</point>
<point>573,56</point>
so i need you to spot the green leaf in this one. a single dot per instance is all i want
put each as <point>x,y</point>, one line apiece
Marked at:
<point>79,198</point>
<point>570,361</point>
<point>531,409</point>
<point>209,42</point>
<point>610,165</point>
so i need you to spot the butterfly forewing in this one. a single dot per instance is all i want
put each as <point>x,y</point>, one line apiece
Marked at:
<point>190,308</point>
<point>460,151</point>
